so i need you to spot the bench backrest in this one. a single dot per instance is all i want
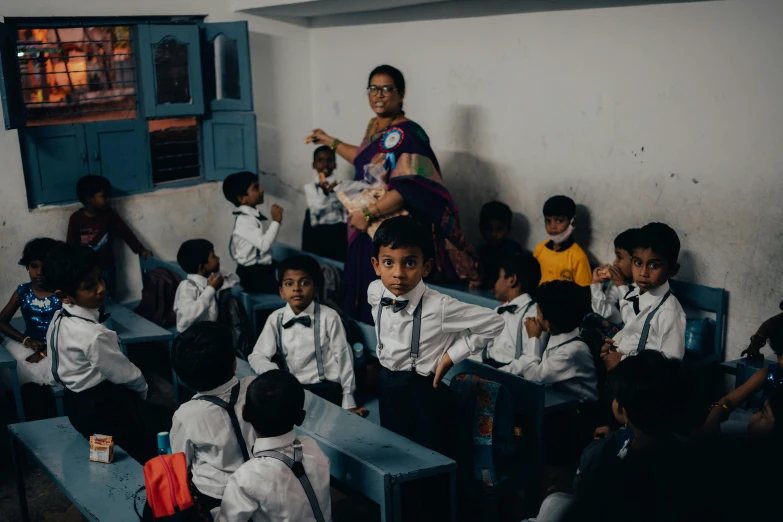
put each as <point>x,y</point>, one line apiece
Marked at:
<point>281,251</point>
<point>706,299</point>
<point>151,263</point>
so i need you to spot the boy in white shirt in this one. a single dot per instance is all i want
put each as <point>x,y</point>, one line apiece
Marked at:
<point>421,334</point>
<point>612,282</point>
<point>104,392</point>
<point>324,231</point>
<point>287,476</point>
<point>250,246</point>
<point>209,429</point>
<point>656,321</point>
<point>515,287</point>
<point>307,338</point>
<point>566,361</point>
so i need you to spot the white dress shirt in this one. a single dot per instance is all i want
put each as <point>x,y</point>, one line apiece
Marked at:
<point>299,349</point>
<point>667,328</point>
<point>325,209</point>
<point>204,433</point>
<point>606,300</point>
<point>568,366</point>
<point>266,490</point>
<point>503,348</point>
<point>88,353</point>
<point>447,326</point>
<point>250,245</point>
<point>196,301</point>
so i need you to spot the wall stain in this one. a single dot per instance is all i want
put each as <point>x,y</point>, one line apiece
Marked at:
<point>695,181</point>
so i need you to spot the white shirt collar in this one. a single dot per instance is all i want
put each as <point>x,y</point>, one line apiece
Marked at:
<point>270,443</point>
<point>413,297</point>
<point>222,389</point>
<point>84,313</point>
<point>200,280</point>
<point>250,211</point>
<point>558,339</point>
<point>288,313</point>
<point>651,296</point>
<point>520,301</point>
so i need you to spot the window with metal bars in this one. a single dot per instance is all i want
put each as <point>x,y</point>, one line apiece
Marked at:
<point>175,150</point>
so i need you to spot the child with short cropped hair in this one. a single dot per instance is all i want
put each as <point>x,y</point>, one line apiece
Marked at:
<point>495,224</point>
<point>324,231</point>
<point>566,362</point>
<point>250,246</point>
<point>96,225</point>
<point>104,391</point>
<point>560,257</point>
<point>307,337</point>
<point>196,297</point>
<point>613,282</point>
<point>205,428</point>
<point>656,320</point>
<point>288,476</point>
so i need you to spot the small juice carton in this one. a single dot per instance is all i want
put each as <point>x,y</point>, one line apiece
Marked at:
<point>101,448</point>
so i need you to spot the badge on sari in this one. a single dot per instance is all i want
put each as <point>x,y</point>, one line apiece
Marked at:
<point>390,142</point>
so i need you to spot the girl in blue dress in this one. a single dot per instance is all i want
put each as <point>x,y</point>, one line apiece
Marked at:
<point>38,306</point>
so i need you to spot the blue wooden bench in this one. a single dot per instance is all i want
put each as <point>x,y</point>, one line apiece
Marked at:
<point>102,492</point>
<point>7,361</point>
<point>366,457</point>
<point>700,299</point>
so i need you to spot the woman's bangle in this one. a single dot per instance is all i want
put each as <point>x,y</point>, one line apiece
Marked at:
<point>24,341</point>
<point>367,215</point>
<point>336,143</point>
<point>717,404</point>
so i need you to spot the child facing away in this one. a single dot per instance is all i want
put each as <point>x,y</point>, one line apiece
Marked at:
<point>515,288</point>
<point>560,257</point>
<point>209,429</point>
<point>250,246</point>
<point>324,230</point>
<point>287,476</point>
<point>421,334</point>
<point>38,306</point>
<point>565,360</point>
<point>655,319</point>
<point>196,297</point>
<point>307,338</point>
<point>495,224</point>
<point>612,282</point>
<point>97,224</point>
<point>104,392</point>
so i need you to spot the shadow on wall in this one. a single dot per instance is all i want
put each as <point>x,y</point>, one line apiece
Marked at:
<point>583,235</point>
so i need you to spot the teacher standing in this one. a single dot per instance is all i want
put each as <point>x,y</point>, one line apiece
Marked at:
<point>414,184</point>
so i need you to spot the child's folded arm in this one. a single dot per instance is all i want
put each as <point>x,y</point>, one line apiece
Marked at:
<point>671,326</point>
<point>262,241</point>
<point>191,305</point>
<point>479,325</point>
<point>601,303</point>
<point>105,356</point>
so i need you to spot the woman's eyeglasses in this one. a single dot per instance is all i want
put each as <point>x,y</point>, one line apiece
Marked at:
<point>374,90</point>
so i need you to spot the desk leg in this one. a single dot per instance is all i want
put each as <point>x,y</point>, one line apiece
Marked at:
<point>453,494</point>
<point>397,496</point>
<point>17,454</point>
<point>387,504</point>
<point>17,393</point>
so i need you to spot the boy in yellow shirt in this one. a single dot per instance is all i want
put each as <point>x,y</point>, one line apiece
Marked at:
<point>560,257</point>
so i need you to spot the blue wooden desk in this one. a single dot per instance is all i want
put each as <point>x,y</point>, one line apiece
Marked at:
<point>7,361</point>
<point>366,457</point>
<point>102,492</point>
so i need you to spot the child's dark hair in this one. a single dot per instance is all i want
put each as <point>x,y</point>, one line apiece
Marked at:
<point>525,267</point>
<point>775,339</point>
<point>661,239</point>
<point>563,304</point>
<point>67,266</point>
<point>36,250</point>
<point>203,356</point>
<point>322,148</point>
<point>650,386</point>
<point>625,240</point>
<point>495,211</point>
<point>90,185</point>
<point>303,263</point>
<point>274,403</point>
<point>192,253</point>
<point>236,185</point>
<point>395,75</point>
<point>403,232</point>
<point>560,206</point>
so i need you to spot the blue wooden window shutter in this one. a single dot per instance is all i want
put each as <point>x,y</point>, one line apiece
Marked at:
<point>55,158</point>
<point>119,151</point>
<point>230,145</point>
<point>226,66</point>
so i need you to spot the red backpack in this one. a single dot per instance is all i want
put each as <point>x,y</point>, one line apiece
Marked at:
<point>170,492</point>
<point>157,297</point>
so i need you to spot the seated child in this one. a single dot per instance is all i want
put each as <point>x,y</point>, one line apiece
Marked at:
<point>96,225</point>
<point>515,287</point>
<point>565,361</point>
<point>250,246</point>
<point>324,230</point>
<point>612,282</point>
<point>655,319</point>
<point>104,391</point>
<point>323,364</point>
<point>196,297</point>
<point>421,334</point>
<point>759,339</point>
<point>495,224</point>
<point>288,476</point>
<point>203,357</point>
<point>560,257</point>
<point>38,307</point>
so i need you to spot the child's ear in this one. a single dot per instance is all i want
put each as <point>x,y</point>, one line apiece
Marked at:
<point>427,267</point>
<point>300,418</point>
<point>62,296</point>
<point>514,281</point>
<point>376,266</point>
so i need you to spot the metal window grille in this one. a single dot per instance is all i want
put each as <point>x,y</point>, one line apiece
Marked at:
<point>175,149</point>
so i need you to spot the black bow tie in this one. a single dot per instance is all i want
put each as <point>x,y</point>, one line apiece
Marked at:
<point>635,302</point>
<point>510,309</point>
<point>303,320</point>
<point>396,304</point>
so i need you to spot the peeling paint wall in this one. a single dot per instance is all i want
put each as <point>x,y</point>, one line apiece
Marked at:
<point>665,112</point>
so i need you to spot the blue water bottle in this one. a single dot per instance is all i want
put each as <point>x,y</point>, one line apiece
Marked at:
<point>164,443</point>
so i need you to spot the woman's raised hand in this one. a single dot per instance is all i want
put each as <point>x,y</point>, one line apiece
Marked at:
<point>319,137</point>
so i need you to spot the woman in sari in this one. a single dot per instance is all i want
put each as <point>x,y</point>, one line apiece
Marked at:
<point>401,148</point>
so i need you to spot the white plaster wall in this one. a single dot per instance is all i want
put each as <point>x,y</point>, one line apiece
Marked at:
<point>163,219</point>
<point>663,112</point>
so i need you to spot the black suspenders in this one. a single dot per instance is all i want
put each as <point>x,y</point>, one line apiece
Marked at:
<point>319,356</point>
<point>229,407</point>
<point>415,334</point>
